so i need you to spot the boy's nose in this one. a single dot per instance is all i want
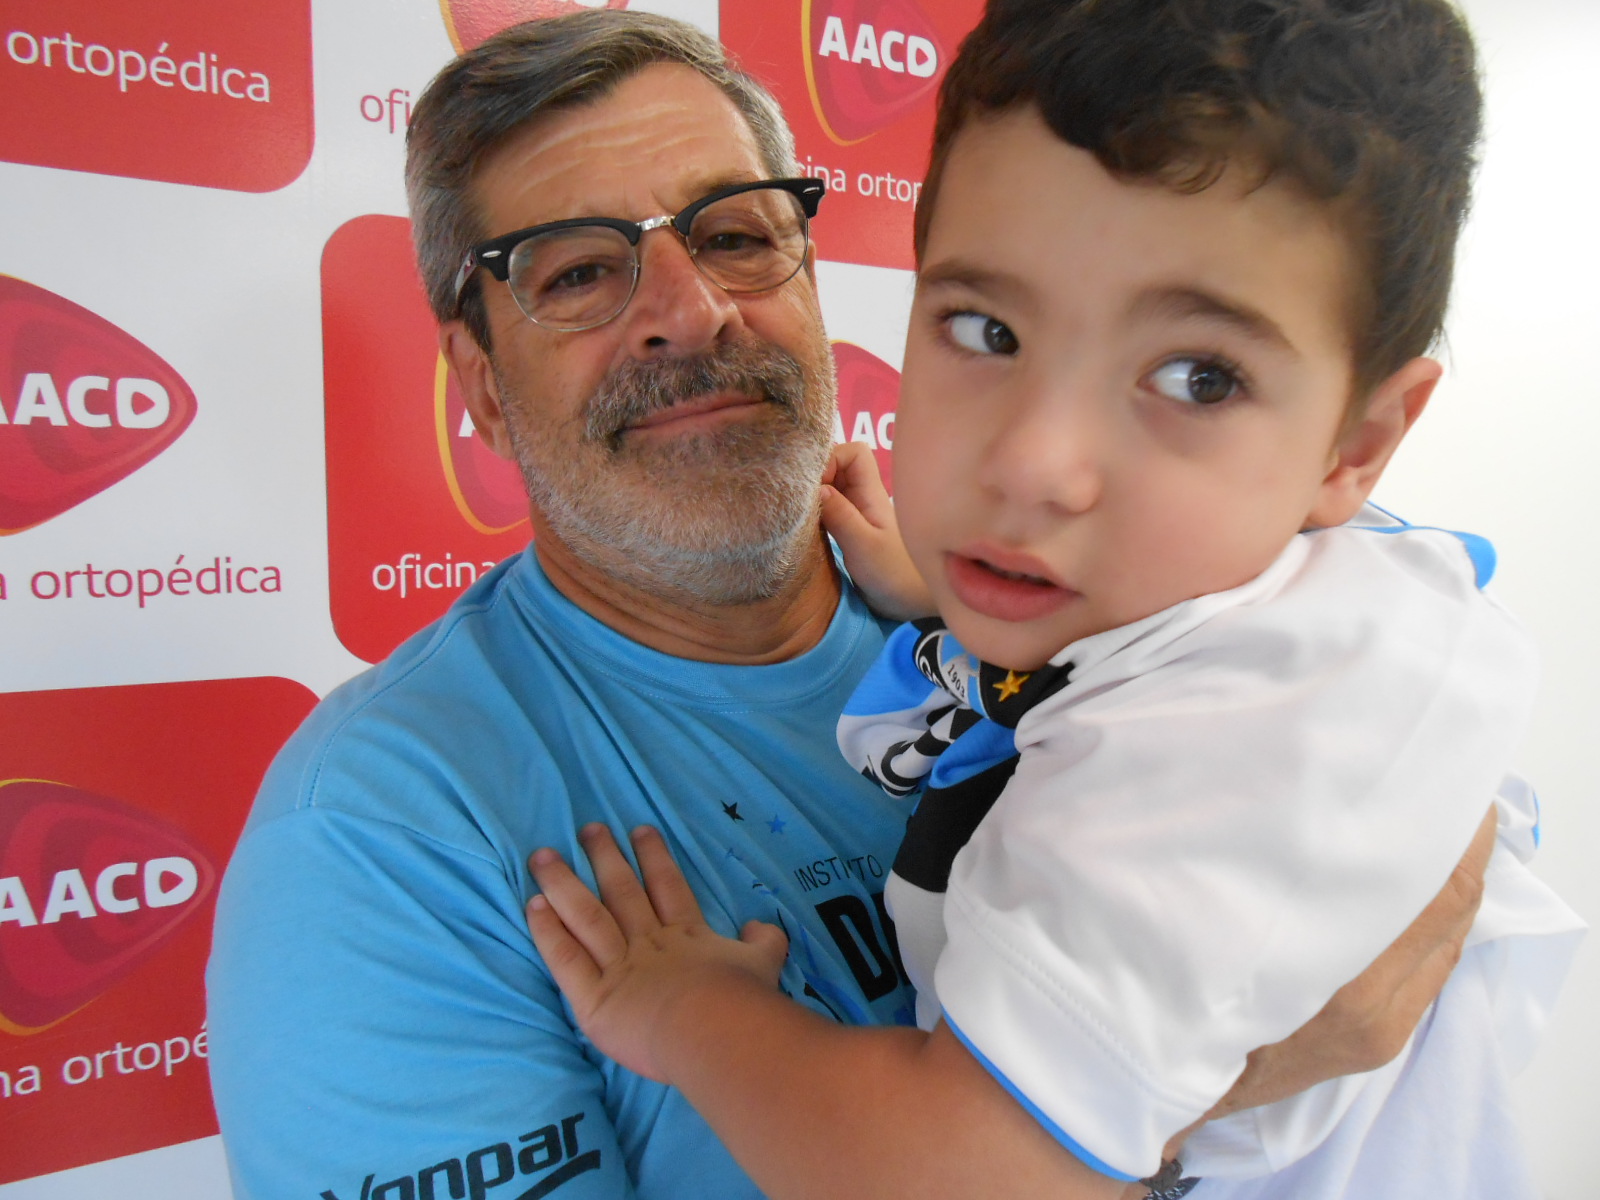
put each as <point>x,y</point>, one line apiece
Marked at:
<point>1046,453</point>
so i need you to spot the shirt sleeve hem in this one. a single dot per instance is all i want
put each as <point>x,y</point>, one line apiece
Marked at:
<point>1077,1149</point>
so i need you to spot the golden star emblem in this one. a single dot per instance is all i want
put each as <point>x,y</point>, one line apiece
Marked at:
<point>1012,684</point>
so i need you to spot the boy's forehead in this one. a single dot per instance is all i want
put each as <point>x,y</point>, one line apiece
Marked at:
<point>1024,216</point>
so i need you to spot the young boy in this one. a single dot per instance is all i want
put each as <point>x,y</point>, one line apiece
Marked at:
<point>1177,267</point>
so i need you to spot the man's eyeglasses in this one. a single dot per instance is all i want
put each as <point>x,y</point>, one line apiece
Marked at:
<point>577,274</point>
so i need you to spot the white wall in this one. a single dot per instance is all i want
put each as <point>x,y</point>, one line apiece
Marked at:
<point>1508,449</point>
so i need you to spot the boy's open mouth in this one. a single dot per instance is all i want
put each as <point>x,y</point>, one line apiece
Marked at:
<point>1003,586</point>
<point>1019,575</point>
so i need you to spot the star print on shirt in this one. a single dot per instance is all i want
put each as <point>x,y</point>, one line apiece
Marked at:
<point>1011,684</point>
<point>733,812</point>
<point>776,825</point>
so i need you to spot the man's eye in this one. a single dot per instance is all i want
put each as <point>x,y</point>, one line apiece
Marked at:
<point>981,334</point>
<point>1195,381</point>
<point>577,276</point>
<point>733,242</point>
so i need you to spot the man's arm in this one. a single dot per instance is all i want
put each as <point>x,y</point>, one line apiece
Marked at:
<point>1368,1021</point>
<point>923,1116</point>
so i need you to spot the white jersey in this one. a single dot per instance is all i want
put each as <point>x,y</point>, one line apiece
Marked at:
<point>1220,815</point>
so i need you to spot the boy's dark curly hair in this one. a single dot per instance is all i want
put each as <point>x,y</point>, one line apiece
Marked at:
<point>1371,107</point>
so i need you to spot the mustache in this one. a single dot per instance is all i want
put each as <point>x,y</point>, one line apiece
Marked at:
<point>637,389</point>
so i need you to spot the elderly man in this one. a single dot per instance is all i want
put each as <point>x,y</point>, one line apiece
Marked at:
<point>673,649</point>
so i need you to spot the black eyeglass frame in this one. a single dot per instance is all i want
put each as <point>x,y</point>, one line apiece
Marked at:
<point>494,255</point>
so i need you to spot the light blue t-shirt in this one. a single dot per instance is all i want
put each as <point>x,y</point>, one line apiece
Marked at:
<point>381,1026</point>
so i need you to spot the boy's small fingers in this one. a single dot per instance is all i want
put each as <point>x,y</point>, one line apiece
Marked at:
<point>576,908</point>
<point>862,484</point>
<point>618,884</point>
<point>571,965</point>
<point>669,891</point>
<point>842,518</point>
<point>842,461</point>
<point>831,468</point>
<point>845,454</point>
<point>769,939</point>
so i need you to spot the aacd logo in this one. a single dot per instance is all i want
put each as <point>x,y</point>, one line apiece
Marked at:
<point>89,889</point>
<point>472,22</point>
<point>857,79</point>
<point>869,389</point>
<point>868,63</point>
<point>82,404</point>
<point>105,906</point>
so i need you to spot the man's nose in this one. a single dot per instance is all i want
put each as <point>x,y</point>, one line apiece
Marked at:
<point>1047,450</point>
<point>675,309</point>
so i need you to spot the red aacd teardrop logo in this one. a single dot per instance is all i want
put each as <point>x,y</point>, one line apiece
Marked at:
<point>82,404</point>
<point>89,889</point>
<point>868,63</point>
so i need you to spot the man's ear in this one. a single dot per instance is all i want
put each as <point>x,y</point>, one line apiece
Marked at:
<point>479,389</point>
<point>1365,447</point>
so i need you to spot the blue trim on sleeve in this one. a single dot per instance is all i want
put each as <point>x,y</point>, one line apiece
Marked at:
<point>1055,1131</point>
<point>1396,517</point>
<point>1479,549</point>
<point>1538,819</point>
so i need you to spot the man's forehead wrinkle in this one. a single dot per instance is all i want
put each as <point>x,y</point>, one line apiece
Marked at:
<point>550,175</point>
<point>1183,302</point>
<point>610,125</point>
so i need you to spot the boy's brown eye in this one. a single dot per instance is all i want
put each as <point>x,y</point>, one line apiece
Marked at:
<point>981,334</point>
<point>1195,381</point>
<point>1209,384</point>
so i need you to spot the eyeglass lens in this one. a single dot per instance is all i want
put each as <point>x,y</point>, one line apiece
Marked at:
<point>577,278</point>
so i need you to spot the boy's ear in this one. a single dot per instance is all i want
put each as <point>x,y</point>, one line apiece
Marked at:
<point>479,389</point>
<point>1364,449</point>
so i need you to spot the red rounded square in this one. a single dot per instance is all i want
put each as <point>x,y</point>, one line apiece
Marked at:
<point>187,91</point>
<point>83,404</point>
<point>119,808</point>
<point>418,506</point>
<point>857,80</point>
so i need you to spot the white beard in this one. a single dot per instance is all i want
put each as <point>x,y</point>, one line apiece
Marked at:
<point>723,518</point>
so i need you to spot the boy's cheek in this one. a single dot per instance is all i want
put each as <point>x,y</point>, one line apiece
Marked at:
<point>922,528</point>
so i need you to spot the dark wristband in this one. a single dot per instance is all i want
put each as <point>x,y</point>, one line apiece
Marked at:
<point>1169,1183</point>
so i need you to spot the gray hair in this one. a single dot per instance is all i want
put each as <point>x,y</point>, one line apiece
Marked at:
<point>526,72</point>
